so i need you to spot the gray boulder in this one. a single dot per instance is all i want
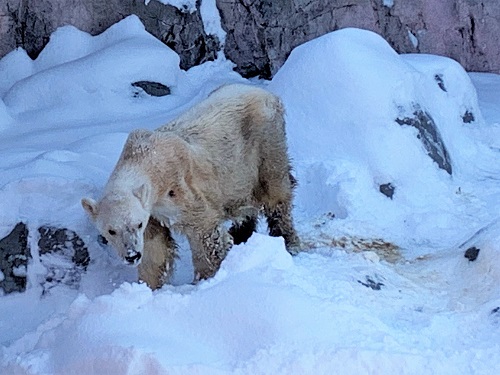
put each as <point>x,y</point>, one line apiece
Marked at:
<point>65,256</point>
<point>61,251</point>
<point>14,255</point>
<point>429,135</point>
<point>151,88</point>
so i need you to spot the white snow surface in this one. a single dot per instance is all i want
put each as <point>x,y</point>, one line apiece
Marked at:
<point>64,118</point>
<point>182,5</point>
<point>388,3</point>
<point>212,22</point>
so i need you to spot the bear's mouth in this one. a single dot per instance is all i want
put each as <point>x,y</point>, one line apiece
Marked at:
<point>133,258</point>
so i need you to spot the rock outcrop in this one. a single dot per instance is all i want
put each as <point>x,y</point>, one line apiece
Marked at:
<point>261,33</point>
<point>430,137</point>
<point>14,255</point>
<point>64,255</point>
<point>61,251</point>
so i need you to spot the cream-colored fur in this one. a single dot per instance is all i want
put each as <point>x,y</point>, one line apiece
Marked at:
<point>158,256</point>
<point>221,160</point>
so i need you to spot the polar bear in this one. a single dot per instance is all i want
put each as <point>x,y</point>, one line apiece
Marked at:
<point>224,160</point>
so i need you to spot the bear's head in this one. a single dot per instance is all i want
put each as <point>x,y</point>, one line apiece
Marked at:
<point>121,218</point>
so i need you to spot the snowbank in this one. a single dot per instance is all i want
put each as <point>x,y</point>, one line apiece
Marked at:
<point>93,74</point>
<point>5,118</point>
<point>266,313</point>
<point>14,67</point>
<point>347,96</point>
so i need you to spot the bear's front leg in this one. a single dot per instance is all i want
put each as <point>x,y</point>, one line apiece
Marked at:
<point>159,254</point>
<point>209,248</point>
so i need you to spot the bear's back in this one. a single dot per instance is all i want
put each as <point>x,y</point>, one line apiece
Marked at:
<point>223,110</point>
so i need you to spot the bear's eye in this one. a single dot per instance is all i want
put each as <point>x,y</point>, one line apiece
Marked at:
<point>139,226</point>
<point>112,232</point>
<point>171,194</point>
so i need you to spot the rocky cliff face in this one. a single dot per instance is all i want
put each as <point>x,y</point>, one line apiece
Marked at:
<point>261,33</point>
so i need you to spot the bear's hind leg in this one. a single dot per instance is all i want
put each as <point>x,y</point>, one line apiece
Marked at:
<point>280,223</point>
<point>158,257</point>
<point>276,192</point>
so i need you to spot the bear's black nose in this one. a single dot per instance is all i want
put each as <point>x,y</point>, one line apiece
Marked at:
<point>133,258</point>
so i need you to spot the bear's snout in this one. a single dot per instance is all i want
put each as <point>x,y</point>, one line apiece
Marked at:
<point>133,257</point>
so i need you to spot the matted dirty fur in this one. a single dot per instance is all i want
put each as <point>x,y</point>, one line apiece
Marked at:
<point>224,159</point>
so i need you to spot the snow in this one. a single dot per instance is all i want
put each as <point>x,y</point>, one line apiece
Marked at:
<point>211,20</point>
<point>383,285</point>
<point>182,5</point>
<point>19,271</point>
<point>413,39</point>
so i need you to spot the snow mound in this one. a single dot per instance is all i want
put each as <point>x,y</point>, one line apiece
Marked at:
<point>264,312</point>
<point>477,279</point>
<point>93,73</point>
<point>14,67</point>
<point>351,101</point>
<point>5,117</point>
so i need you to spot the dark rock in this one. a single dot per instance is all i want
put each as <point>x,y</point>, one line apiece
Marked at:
<point>62,240</point>
<point>14,255</point>
<point>64,255</point>
<point>387,190</point>
<point>370,283</point>
<point>152,88</point>
<point>440,82</point>
<point>495,315</point>
<point>472,253</point>
<point>430,137</point>
<point>468,117</point>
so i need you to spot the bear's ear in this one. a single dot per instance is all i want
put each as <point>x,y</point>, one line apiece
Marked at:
<point>90,206</point>
<point>139,138</point>
<point>142,193</point>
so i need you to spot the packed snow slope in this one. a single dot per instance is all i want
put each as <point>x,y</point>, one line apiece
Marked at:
<point>382,286</point>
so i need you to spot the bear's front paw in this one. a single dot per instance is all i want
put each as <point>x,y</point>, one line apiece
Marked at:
<point>218,243</point>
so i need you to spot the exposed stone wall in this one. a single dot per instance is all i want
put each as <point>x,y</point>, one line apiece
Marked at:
<point>261,33</point>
